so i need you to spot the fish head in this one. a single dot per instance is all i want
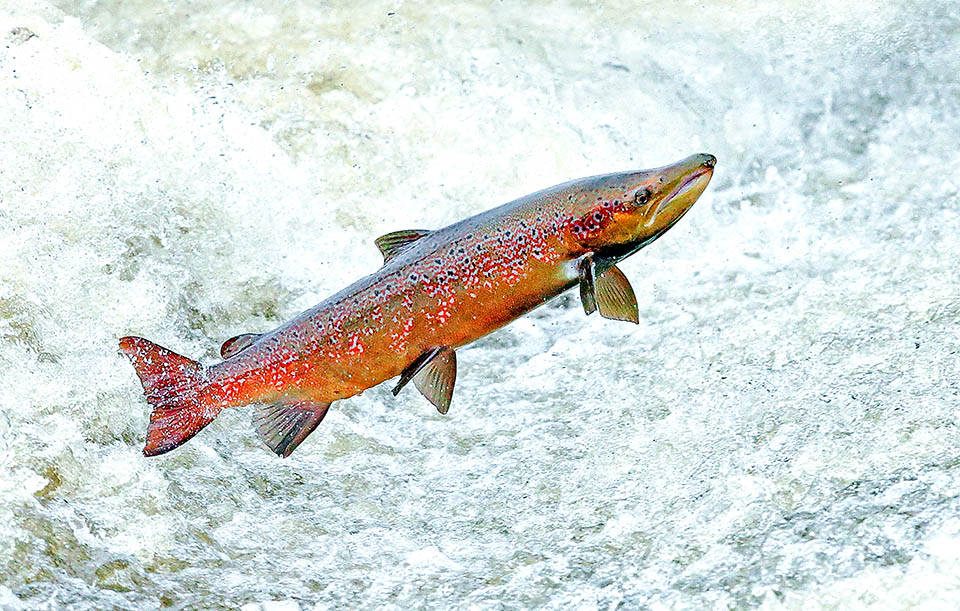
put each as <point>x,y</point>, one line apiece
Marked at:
<point>626,211</point>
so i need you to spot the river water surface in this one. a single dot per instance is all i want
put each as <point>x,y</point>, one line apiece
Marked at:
<point>779,431</point>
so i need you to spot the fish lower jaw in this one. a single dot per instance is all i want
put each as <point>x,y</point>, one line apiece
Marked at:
<point>694,185</point>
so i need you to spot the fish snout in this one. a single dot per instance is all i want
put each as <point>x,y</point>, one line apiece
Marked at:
<point>682,185</point>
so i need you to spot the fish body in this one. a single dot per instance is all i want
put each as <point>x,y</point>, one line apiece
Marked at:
<point>436,291</point>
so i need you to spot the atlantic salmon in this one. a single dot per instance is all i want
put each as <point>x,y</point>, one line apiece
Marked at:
<point>437,290</point>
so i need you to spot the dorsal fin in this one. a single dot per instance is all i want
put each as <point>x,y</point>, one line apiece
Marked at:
<point>392,244</point>
<point>238,344</point>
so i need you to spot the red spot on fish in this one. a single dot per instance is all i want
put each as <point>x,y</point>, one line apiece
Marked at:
<point>354,347</point>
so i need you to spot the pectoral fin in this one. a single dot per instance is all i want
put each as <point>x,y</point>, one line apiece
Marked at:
<point>434,373</point>
<point>615,297</point>
<point>609,292</point>
<point>284,425</point>
<point>587,284</point>
<point>392,244</point>
<point>238,344</point>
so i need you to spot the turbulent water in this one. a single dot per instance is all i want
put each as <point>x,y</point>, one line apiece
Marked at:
<point>779,431</point>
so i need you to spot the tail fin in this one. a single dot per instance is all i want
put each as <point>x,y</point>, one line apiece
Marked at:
<point>173,385</point>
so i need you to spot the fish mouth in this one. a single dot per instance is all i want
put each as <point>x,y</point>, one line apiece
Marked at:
<point>687,184</point>
<point>686,192</point>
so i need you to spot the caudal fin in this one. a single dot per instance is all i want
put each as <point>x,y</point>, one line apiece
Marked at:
<point>173,385</point>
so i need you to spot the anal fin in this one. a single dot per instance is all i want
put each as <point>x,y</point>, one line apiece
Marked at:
<point>284,425</point>
<point>615,297</point>
<point>434,373</point>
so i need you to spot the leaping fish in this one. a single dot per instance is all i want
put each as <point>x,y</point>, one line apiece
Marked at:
<point>437,290</point>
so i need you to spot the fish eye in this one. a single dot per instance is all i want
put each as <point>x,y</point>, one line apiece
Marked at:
<point>641,197</point>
